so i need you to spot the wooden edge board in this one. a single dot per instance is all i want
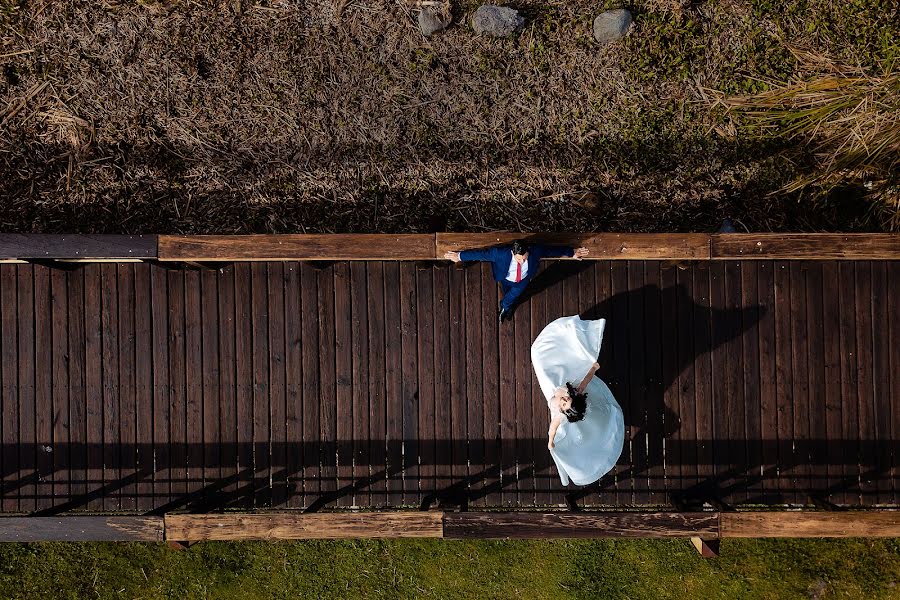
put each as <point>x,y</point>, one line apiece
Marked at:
<point>81,529</point>
<point>337,246</point>
<point>408,524</point>
<point>805,246</point>
<point>76,246</point>
<point>807,524</point>
<point>487,525</point>
<point>602,246</point>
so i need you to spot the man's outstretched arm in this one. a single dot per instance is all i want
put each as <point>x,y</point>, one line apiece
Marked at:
<point>568,251</point>
<point>467,255</point>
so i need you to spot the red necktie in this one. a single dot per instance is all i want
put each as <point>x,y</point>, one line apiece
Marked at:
<point>518,272</point>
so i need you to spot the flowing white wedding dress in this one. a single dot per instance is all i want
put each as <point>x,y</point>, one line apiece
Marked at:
<point>564,351</point>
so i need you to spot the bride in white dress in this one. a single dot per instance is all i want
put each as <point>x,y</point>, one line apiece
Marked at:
<point>587,429</point>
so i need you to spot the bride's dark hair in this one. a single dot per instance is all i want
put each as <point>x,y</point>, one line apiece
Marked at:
<point>579,404</point>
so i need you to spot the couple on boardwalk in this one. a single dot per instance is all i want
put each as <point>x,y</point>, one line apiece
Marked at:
<point>587,429</point>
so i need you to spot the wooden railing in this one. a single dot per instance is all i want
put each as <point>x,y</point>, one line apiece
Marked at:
<point>333,247</point>
<point>702,527</point>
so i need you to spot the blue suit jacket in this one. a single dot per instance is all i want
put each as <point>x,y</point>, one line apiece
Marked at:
<point>501,256</point>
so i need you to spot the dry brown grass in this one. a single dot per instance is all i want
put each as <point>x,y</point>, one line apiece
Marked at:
<point>316,115</point>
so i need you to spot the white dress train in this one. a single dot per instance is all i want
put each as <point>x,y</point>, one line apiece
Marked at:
<point>564,351</point>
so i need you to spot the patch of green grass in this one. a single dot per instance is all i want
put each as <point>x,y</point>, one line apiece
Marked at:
<point>606,569</point>
<point>663,46</point>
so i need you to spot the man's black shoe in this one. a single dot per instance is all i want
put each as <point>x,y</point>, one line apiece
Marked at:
<point>505,314</point>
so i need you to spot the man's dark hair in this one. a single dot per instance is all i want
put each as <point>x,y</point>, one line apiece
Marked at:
<point>579,404</point>
<point>520,247</point>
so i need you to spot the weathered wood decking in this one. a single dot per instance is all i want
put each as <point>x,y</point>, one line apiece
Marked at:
<point>136,387</point>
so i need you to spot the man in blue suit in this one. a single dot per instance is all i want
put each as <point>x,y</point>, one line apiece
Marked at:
<point>514,266</point>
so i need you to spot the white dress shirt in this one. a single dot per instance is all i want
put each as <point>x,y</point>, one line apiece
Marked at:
<point>511,275</point>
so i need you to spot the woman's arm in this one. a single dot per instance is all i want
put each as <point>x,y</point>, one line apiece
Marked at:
<point>587,378</point>
<point>553,427</point>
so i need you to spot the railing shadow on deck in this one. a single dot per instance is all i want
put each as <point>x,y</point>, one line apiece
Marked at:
<point>172,478</point>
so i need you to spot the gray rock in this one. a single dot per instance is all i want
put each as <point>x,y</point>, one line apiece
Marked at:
<point>498,21</point>
<point>433,19</point>
<point>612,25</point>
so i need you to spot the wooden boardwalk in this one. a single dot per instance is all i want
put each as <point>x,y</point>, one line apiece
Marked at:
<point>135,387</point>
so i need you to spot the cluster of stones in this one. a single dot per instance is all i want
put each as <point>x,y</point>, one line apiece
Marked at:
<point>502,21</point>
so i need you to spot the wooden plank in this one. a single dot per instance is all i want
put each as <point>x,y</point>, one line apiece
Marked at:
<point>393,383</point>
<point>787,483</point>
<point>522,376</point>
<point>808,246</point>
<point>686,353</point>
<point>359,301</point>
<point>810,524</point>
<point>60,476</point>
<point>655,407</point>
<point>409,382</point>
<point>344,359</point>
<point>817,449</point>
<point>723,384</point>
<point>540,456</point>
<point>893,329</point>
<point>442,390</point>
<point>126,390</point>
<point>293,363</point>
<point>81,529</point>
<point>11,461</point>
<point>210,378</point>
<point>622,246</point>
<point>109,320</point>
<point>458,405</point>
<point>508,450</point>
<point>143,381</point>
<point>297,247</point>
<point>52,246</point>
<point>579,525</point>
<point>228,409</point>
<point>831,325</point>
<point>93,379</point>
<point>800,389</point>
<point>193,338</point>
<point>617,336</point>
<point>703,371</point>
<point>865,385</point>
<point>638,402</point>
<point>178,451</point>
<point>749,326</point>
<point>273,526</point>
<point>262,449</point>
<point>78,446</point>
<point>162,412</point>
<point>605,310</point>
<point>670,370</point>
<point>474,413</point>
<point>310,347</point>
<point>277,384</point>
<point>849,384</point>
<point>425,339</point>
<point>735,374</point>
<point>767,385</point>
<point>328,410</point>
<point>243,364</point>
<point>490,431</point>
<point>881,379</point>
<point>43,387</point>
<point>376,364</point>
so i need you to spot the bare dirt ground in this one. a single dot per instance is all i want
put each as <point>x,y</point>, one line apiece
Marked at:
<point>338,115</point>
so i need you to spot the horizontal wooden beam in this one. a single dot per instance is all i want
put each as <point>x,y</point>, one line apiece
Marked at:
<point>805,524</point>
<point>510,525</point>
<point>412,524</point>
<point>218,248</point>
<point>606,246</point>
<point>81,529</point>
<point>805,246</point>
<point>51,246</point>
